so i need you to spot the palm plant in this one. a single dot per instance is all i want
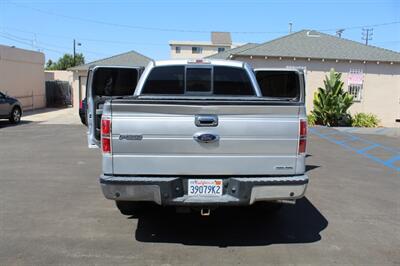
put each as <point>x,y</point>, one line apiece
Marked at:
<point>331,103</point>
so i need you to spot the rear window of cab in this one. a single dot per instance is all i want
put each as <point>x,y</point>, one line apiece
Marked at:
<point>198,81</point>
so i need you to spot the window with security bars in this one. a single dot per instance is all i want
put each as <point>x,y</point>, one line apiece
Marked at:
<point>355,80</point>
<point>355,90</point>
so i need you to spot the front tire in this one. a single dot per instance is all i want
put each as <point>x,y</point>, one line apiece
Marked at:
<point>15,116</point>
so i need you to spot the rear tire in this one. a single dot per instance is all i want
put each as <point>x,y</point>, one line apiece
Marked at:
<point>15,116</point>
<point>131,207</point>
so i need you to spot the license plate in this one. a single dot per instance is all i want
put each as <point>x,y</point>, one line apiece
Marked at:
<point>205,187</point>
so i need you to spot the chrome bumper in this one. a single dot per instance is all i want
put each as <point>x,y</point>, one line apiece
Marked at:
<point>173,190</point>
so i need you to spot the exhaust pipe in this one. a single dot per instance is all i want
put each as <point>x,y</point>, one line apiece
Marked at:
<point>205,212</point>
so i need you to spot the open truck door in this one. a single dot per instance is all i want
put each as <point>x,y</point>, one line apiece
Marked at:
<point>105,83</point>
<point>281,83</point>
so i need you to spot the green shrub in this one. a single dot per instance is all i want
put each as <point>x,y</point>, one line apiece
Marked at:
<point>311,120</point>
<point>331,103</point>
<point>364,120</point>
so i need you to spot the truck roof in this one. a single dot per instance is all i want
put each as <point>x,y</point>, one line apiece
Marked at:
<point>217,62</point>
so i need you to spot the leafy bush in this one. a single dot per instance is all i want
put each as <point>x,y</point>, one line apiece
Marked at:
<point>331,103</point>
<point>311,120</point>
<point>364,120</point>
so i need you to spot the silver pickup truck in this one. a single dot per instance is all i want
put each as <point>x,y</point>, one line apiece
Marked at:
<point>199,134</point>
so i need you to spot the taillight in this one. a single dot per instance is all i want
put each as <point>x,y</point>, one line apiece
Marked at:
<point>80,104</point>
<point>105,126</point>
<point>303,137</point>
<point>106,135</point>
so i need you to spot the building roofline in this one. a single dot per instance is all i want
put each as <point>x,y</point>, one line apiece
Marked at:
<point>77,68</point>
<point>247,52</point>
<point>231,51</point>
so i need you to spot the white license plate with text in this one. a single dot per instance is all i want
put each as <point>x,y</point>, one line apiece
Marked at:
<point>205,187</point>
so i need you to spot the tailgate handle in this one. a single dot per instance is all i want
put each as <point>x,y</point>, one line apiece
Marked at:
<point>206,120</point>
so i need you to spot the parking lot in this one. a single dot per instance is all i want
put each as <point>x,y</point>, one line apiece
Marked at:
<point>52,210</point>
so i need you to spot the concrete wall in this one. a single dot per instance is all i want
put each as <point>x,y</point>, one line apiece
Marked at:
<point>186,51</point>
<point>22,77</point>
<point>381,88</point>
<point>63,75</point>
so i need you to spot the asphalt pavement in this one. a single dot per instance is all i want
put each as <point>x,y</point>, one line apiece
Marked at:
<point>52,210</point>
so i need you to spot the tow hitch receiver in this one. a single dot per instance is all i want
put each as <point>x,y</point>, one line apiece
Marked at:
<point>205,212</point>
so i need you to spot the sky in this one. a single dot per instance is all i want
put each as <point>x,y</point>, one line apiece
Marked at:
<point>105,28</point>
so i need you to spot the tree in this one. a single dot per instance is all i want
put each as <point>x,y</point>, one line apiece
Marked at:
<point>331,103</point>
<point>49,64</point>
<point>65,62</point>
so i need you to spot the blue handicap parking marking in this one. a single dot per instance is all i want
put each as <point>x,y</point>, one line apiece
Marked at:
<point>389,163</point>
<point>367,148</point>
<point>364,151</point>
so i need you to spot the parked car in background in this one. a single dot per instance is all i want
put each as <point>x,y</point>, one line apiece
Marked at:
<point>10,108</point>
<point>82,111</point>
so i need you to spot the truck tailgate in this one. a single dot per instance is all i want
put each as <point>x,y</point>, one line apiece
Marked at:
<point>157,139</point>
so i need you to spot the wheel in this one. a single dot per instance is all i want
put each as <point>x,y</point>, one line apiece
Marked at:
<point>15,116</point>
<point>131,207</point>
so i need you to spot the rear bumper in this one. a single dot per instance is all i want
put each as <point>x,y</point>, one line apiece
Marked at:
<point>173,190</point>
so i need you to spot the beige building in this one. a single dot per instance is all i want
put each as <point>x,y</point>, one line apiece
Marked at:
<point>220,42</point>
<point>370,74</point>
<point>22,77</point>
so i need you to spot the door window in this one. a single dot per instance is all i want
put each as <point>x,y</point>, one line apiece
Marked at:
<point>114,81</point>
<point>280,84</point>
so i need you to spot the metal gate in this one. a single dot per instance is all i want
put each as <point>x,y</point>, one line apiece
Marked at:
<point>58,93</point>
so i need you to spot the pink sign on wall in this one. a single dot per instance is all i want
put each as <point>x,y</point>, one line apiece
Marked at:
<point>355,77</point>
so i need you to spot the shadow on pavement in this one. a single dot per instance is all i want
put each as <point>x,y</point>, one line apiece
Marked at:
<point>6,123</point>
<point>310,167</point>
<point>234,226</point>
<point>45,110</point>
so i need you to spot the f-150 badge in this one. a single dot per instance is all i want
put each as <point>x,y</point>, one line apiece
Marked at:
<point>130,137</point>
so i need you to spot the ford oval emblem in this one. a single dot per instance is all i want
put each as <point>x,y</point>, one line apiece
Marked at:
<point>205,137</point>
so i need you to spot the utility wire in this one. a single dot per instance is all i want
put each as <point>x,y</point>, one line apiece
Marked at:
<point>45,45</point>
<point>83,39</point>
<point>30,44</point>
<point>183,30</point>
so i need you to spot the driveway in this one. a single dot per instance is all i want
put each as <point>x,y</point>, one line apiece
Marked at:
<point>64,116</point>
